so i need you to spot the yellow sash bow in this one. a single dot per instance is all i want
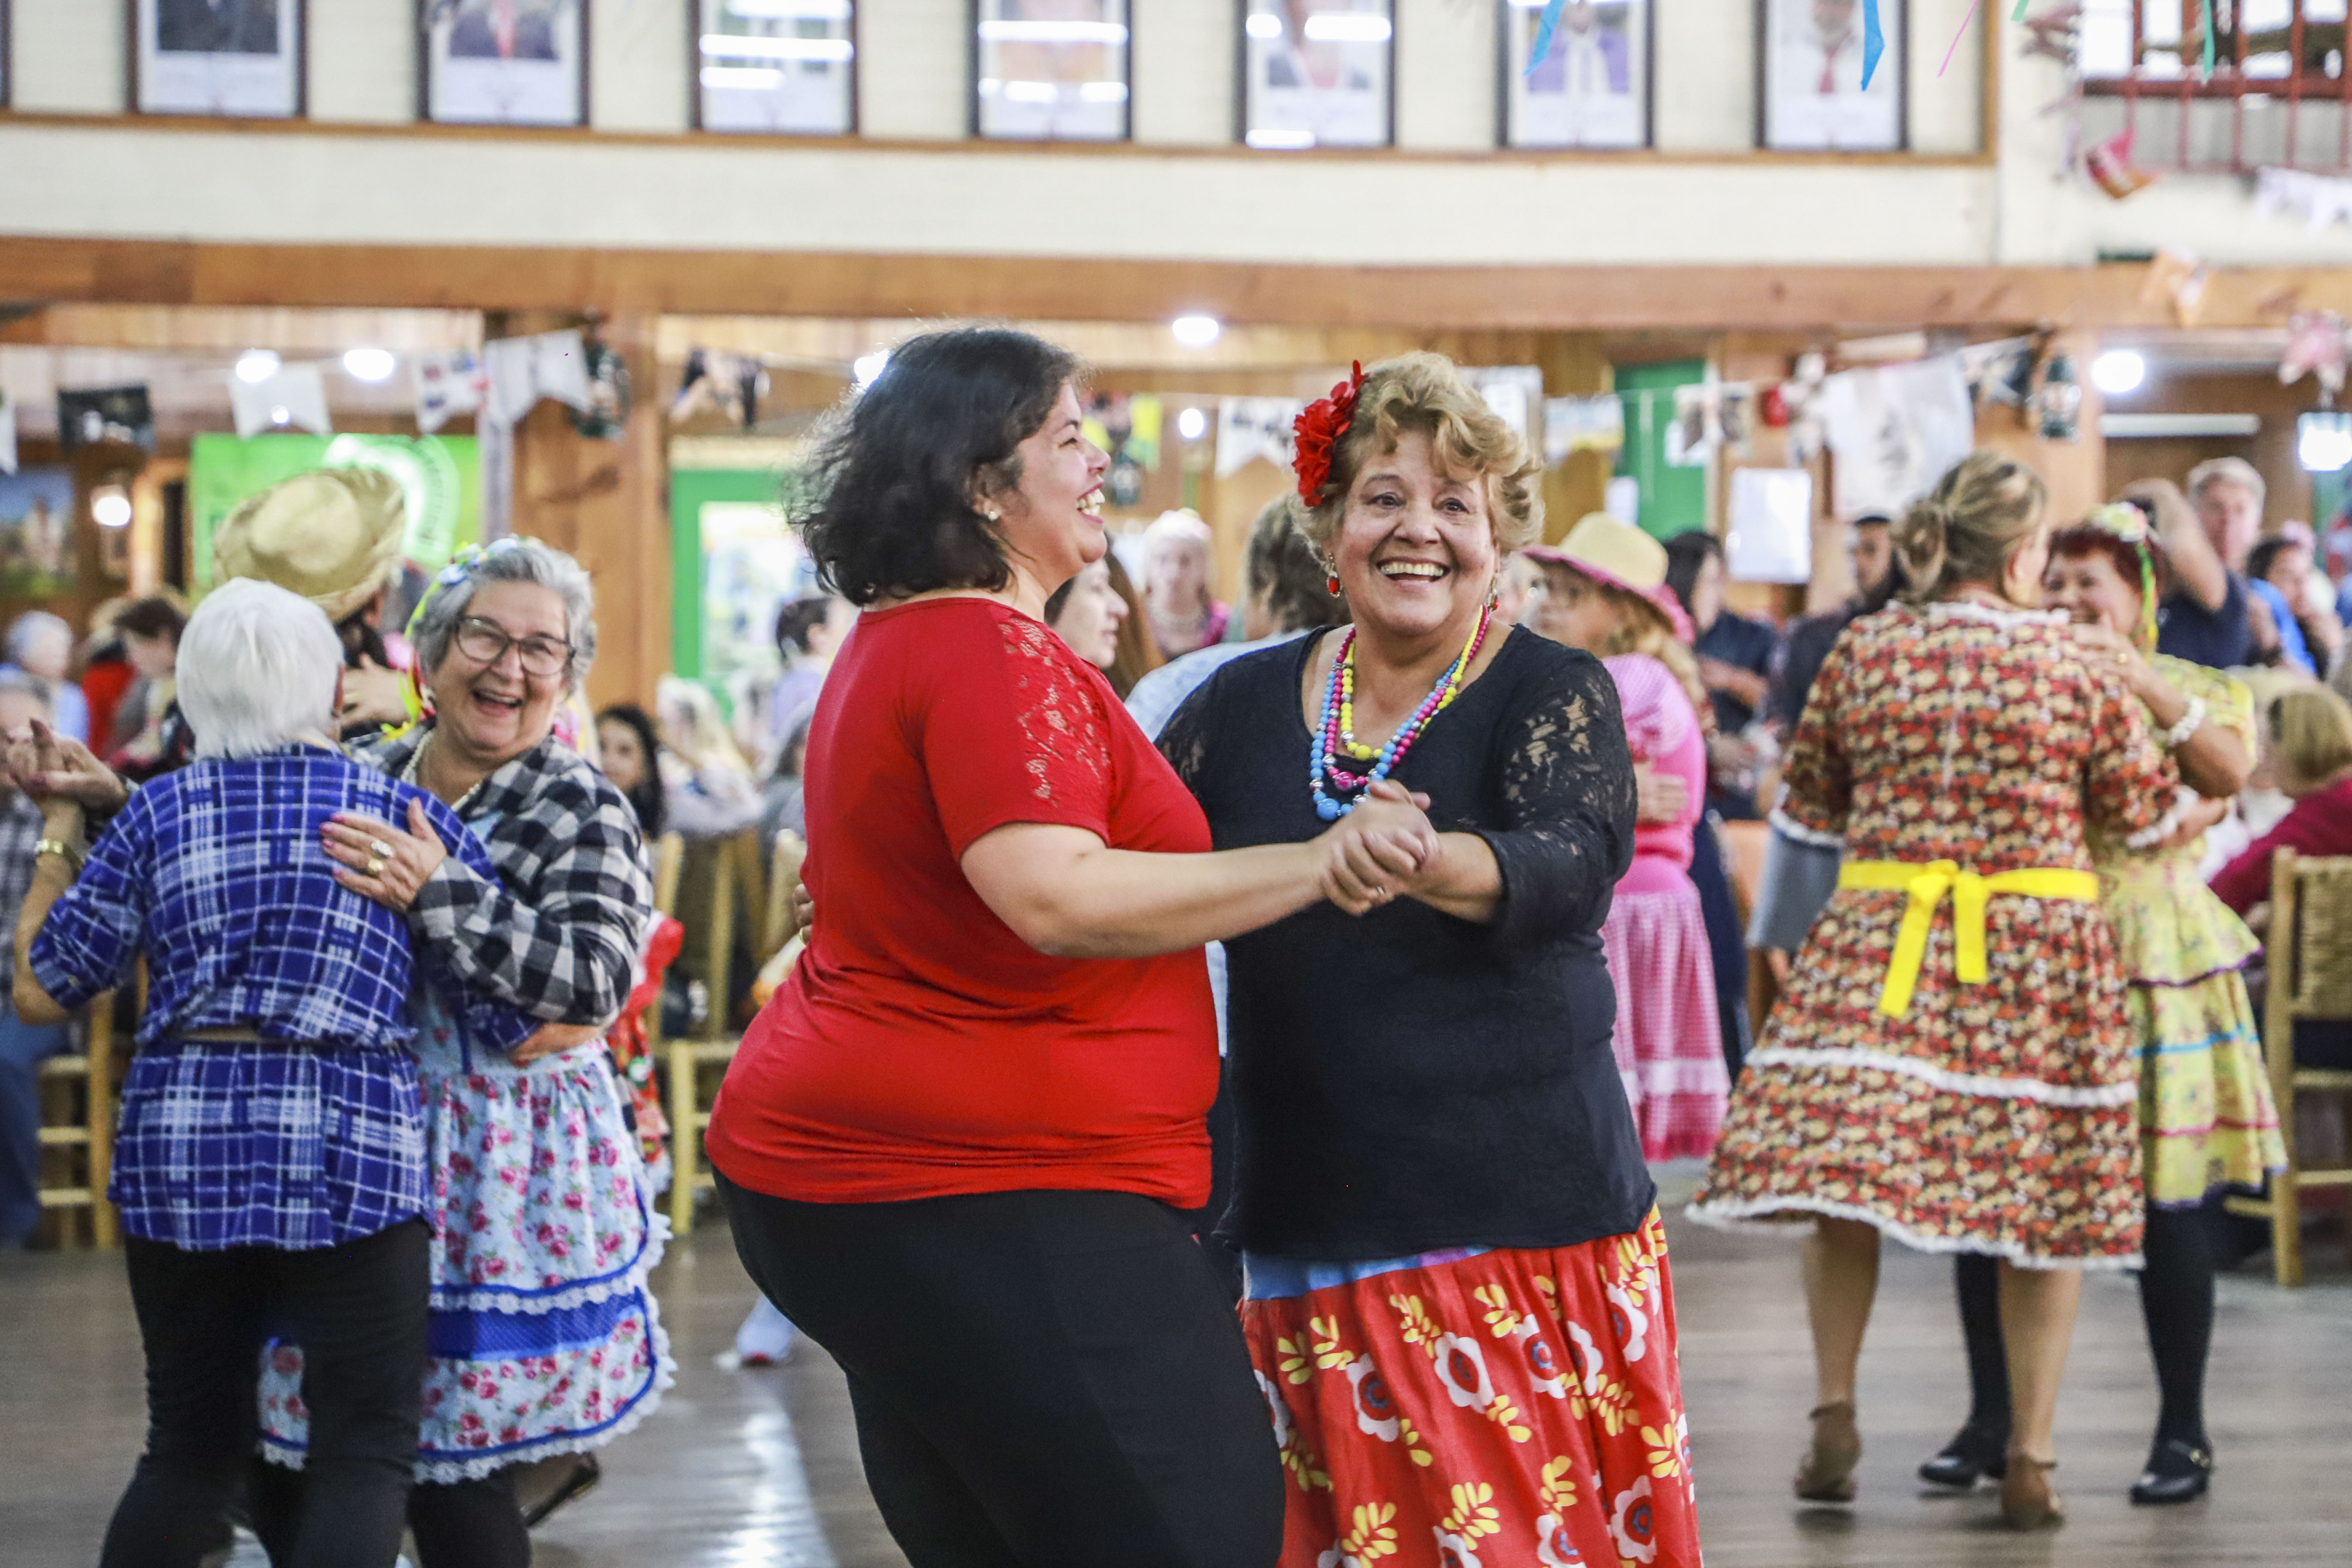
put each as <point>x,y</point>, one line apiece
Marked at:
<point>1926,886</point>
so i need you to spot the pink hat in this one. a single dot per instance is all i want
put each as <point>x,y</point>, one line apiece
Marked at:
<point>1623,557</point>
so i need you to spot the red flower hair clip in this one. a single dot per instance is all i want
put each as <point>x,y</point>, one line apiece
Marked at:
<point>1317,430</point>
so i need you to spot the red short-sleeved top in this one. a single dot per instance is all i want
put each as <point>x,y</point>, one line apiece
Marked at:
<point>920,1049</point>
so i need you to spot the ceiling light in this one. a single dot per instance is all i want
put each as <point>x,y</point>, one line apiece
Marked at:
<point>1196,331</point>
<point>868,366</point>
<point>109,506</point>
<point>2323,442</point>
<point>1345,28</point>
<point>2119,371</point>
<point>281,414</point>
<point>256,366</point>
<point>370,365</point>
<point>1191,424</point>
<point>1263,25</point>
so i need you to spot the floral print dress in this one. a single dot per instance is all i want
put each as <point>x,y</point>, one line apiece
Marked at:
<point>1998,1116</point>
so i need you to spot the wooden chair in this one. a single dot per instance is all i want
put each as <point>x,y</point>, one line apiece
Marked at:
<point>83,1144</point>
<point>2310,954</point>
<point>737,874</point>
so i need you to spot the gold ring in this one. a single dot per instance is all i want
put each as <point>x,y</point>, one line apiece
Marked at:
<point>376,865</point>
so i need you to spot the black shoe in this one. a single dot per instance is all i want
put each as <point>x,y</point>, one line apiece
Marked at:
<point>578,1481</point>
<point>1971,1455</point>
<point>2177,1472</point>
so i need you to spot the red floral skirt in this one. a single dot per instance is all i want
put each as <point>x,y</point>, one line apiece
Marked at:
<point>1504,1409</point>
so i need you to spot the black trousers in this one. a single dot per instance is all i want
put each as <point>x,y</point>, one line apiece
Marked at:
<point>1041,1379</point>
<point>359,1309</point>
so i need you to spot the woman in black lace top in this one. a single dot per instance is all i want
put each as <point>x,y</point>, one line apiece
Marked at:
<point>1458,1302</point>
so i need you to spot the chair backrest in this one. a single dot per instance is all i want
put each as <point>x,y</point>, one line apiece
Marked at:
<point>669,862</point>
<point>2311,936</point>
<point>783,875</point>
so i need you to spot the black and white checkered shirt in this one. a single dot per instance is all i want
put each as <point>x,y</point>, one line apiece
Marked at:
<point>20,833</point>
<point>557,932</point>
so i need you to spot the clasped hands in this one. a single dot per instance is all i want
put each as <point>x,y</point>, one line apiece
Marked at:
<point>1382,849</point>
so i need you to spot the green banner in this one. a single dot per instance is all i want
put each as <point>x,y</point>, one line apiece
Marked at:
<point>441,475</point>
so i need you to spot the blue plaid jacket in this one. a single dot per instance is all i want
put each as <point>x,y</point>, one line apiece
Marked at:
<point>315,1134</point>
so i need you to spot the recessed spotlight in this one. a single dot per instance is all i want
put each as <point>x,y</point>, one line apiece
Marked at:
<point>2117,371</point>
<point>370,364</point>
<point>1192,423</point>
<point>1196,331</point>
<point>256,366</point>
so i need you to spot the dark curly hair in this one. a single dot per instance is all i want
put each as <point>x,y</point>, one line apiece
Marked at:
<point>892,485</point>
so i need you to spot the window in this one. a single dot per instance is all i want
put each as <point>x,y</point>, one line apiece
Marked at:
<point>1318,73</point>
<point>2278,94</point>
<point>1050,70</point>
<point>786,67</point>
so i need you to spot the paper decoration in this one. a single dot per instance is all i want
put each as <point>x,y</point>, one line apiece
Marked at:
<point>1770,533</point>
<point>1896,429</point>
<point>1623,501</point>
<point>1249,428</point>
<point>608,395</point>
<point>448,383</point>
<point>2314,342</point>
<point>2111,166</point>
<point>2177,277</point>
<point>2322,198</point>
<point>1582,424</point>
<point>7,436</point>
<point>1544,31</point>
<point>1874,42</point>
<point>1691,433</point>
<point>2205,56</point>
<point>296,396</point>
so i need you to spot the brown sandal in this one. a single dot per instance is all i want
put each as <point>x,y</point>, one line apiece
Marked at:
<point>2028,1501</point>
<point>1827,1474</point>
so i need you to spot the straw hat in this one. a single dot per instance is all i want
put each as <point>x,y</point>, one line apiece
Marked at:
<point>330,536</point>
<point>1624,557</point>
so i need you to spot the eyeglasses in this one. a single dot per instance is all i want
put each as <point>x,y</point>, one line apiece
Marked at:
<point>486,643</point>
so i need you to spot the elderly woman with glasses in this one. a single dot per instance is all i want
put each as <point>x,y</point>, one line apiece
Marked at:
<point>544,1338</point>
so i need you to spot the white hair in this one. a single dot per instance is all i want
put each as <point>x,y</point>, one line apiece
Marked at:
<point>258,670</point>
<point>2226,471</point>
<point>34,624</point>
<point>1179,527</point>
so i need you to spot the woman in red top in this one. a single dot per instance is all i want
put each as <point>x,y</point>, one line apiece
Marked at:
<point>954,1147</point>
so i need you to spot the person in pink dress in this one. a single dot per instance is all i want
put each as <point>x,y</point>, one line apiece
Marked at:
<point>1605,591</point>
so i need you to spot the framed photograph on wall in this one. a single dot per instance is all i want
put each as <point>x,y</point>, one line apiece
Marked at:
<point>785,67</point>
<point>1809,91</point>
<point>1050,70</point>
<point>503,62</point>
<point>1318,73</point>
<point>235,57</point>
<point>1592,88</point>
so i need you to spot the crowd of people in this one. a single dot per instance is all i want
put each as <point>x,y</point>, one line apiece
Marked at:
<point>1342,1241</point>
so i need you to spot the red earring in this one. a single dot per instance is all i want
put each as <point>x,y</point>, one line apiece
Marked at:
<point>1331,576</point>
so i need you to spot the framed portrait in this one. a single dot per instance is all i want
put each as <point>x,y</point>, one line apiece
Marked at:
<point>1318,73</point>
<point>788,68</point>
<point>237,58</point>
<point>1592,88</point>
<point>1809,91</point>
<point>1050,70</point>
<point>504,62</point>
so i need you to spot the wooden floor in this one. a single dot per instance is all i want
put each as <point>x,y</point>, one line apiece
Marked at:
<point>759,1469</point>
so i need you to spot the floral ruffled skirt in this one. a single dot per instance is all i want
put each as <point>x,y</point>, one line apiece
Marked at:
<point>1513,1406</point>
<point>543,1338</point>
<point>1669,1037</point>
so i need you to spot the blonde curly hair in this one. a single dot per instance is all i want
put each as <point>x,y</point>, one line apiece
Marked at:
<point>1426,392</point>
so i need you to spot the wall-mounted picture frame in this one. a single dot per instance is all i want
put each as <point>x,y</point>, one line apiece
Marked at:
<point>1809,91</point>
<point>1051,70</point>
<point>1317,73</point>
<point>1594,87</point>
<point>785,67</point>
<point>503,62</point>
<point>243,59</point>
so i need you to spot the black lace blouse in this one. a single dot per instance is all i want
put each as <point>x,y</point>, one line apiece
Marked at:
<point>1408,1080</point>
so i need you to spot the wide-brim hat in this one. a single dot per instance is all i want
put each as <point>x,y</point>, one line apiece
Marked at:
<point>1623,557</point>
<point>332,536</point>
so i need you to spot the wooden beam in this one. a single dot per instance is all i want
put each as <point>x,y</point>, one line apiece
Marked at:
<point>231,328</point>
<point>1467,299</point>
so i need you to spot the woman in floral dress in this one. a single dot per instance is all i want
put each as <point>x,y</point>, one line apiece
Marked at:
<point>1952,1063</point>
<point>544,1336</point>
<point>2206,1118</point>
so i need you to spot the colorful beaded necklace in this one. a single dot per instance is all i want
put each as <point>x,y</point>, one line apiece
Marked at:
<point>1336,732</point>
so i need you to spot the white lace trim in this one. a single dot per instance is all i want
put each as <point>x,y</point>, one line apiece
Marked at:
<point>1742,1214</point>
<point>470,1298</point>
<point>1970,610</point>
<point>2096,1097</point>
<point>1789,827</point>
<point>2165,826</point>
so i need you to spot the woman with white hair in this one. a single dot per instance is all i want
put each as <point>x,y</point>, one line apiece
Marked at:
<point>41,646</point>
<point>270,1161</point>
<point>545,1340</point>
<point>1178,567</point>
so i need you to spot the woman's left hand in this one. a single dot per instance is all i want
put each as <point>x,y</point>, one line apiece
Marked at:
<point>2108,650</point>
<point>386,864</point>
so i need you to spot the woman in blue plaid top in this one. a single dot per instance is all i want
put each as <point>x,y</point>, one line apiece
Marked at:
<point>545,1339</point>
<point>270,1160</point>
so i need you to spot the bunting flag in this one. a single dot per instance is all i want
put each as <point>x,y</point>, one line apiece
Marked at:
<point>1963,32</point>
<point>1550,23</point>
<point>2205,62</point>
<point>1874,42</point>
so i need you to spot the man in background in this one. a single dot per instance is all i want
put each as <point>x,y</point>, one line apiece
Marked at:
<point>1870,546</point>
<point>23,1045</point>
<point>2212,615</point>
